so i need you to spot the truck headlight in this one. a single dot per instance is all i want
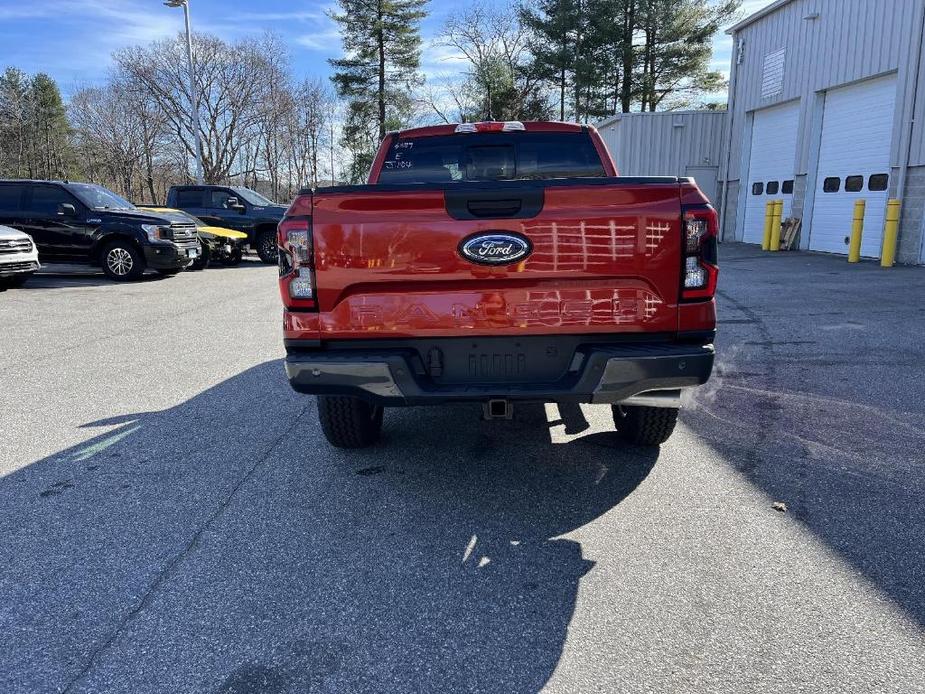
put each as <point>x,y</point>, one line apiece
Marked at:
<point>155,232</point>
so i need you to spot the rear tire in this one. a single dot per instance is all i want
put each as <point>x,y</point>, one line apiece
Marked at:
<point>349,422</point>
<point>122,261</point>
<point>645,426</point>
<point>266,247</point>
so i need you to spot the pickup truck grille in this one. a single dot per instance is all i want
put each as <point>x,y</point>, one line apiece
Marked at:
<point>183,233</point>
<point>15,246</point>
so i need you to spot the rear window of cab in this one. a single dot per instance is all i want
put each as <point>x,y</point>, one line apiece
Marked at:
<point>491,157</point>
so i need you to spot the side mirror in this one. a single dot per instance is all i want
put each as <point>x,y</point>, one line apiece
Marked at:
<point>235,204</point>
<point>66,209</point>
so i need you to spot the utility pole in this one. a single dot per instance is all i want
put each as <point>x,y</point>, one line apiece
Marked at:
<point>194,94</point>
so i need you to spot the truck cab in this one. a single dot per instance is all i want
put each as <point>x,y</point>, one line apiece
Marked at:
<point>84,223</point>
<point>233,207</point>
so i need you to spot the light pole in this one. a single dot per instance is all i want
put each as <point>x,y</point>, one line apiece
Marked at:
<point>194,94</point>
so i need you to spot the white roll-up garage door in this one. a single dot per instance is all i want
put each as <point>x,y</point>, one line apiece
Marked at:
<point>854,162</point>
<point>770,168</point>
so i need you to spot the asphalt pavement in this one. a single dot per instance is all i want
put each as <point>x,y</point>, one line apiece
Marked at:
<point>172,520</point>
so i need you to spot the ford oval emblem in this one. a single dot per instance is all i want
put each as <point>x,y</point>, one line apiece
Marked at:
<point>495,247</point>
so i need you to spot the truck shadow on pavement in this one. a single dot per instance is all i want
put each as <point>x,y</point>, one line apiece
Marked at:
<point>222,545</point>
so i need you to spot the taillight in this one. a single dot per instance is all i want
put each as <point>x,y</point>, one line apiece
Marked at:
<point>296,263</point>
<point>491,126</point>
<point>699,271</point>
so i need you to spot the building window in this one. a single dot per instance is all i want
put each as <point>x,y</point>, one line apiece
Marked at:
<point>787,187</point>
<point>758,188</point>
<point>854,184</point>
<point>773,187</point>
<point>831,185</point>
<point>878,182</point>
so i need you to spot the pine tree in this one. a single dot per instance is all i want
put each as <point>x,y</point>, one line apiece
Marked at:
<point>35,137</point>
<point>677,47</point>
<point>382,47</point>
<point>14,122</point>
<point>554,27</point>
<point>51,150</point>
<point>614,55</point>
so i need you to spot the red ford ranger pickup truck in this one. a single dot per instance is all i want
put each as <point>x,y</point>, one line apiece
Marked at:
<point>498,263</point>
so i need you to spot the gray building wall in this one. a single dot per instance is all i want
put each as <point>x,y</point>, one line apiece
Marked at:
<point>913,218</point>
<point>668,143</point>
<point>829,44</point>
<point>671,141</point>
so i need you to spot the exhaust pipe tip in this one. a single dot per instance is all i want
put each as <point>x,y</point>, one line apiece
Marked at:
<point>655,398</point>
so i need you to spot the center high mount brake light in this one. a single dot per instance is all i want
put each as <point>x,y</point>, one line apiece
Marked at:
<point>492,126</point>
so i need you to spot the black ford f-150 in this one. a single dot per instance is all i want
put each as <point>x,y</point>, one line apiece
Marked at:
<point>86,223</point>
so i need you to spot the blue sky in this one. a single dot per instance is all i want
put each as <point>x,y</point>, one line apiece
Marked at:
<point>72,40</point>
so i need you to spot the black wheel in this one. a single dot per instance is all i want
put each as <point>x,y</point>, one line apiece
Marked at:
<point>349,422</point>
<point>233,258</point>
<point>266,247</point>
<point>122,261</point>
<point>645,426</point>
<point>202,260</point>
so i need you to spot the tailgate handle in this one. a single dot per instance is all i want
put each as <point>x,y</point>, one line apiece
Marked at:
<point>494,208</point>
<point>522,201</point>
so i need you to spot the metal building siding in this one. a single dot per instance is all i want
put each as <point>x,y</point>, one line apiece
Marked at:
<point>655,146</point>
<point>850,41</point>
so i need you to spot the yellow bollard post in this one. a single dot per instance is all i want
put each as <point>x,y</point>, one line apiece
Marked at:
<point>768,214</point>
<point>857,231</point>
<point>890,233</point>
<point>775,225</point>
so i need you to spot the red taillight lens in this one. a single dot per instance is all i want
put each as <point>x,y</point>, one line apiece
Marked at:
<point>699,270</point>
<point>296,263</point>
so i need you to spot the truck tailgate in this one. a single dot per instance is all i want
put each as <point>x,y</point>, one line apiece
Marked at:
<point>606,258</point>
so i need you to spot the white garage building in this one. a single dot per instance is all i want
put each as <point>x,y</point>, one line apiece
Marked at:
<point>826,106</point>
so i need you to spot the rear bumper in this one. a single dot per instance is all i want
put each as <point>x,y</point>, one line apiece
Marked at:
<point>603,374</point>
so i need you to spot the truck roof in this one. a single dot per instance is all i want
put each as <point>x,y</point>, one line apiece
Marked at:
<point>38,180</point>
<point>529,126</point>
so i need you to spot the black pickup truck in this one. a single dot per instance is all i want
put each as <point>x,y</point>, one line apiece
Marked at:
<point>86,223</point>
<point>233,207</point>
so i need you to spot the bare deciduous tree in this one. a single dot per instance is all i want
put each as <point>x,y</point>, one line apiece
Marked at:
<point>234,82</point>
<point>499,82</point>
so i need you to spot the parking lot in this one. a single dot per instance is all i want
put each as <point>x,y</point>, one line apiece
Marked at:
<point>173,521</point>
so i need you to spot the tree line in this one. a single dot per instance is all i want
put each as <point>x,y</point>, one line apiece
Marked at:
<point>576,60</point>
<point>259,126</point>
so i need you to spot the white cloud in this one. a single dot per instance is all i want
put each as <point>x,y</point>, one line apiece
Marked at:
<point>327,39</point>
